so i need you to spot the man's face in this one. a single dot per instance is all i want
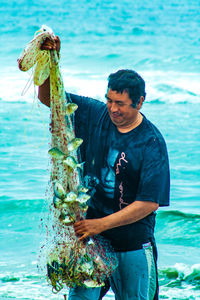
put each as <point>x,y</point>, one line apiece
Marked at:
<point>121,112</point>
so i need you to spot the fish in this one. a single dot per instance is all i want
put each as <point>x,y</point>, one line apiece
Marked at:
<point>91,242</point>
<point>59,190</point>
<point>92,283</point>
<point>71,163</point>
<point>56,153</point>
<point>69,133</point>
<point>74,144</point>
<point>82,189</point>
<point>83,207</point>
<point>57,202</point>
<point>70,197</point>
<point>99,262</point>
<point>83,198</point>
<point>87,268</point>
<point>64,143</point>
<point>71,108</point>
<point>66,219</point>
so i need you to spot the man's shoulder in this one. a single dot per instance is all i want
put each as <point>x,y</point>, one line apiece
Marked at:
<point>85,101</point>
<point>151,131</point>
<point>146,140</point>
<point>90,112</point>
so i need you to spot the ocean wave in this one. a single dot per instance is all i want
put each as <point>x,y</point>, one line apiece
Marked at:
<point>178,228</point>
<point>30,285</point>
<point>180,273</point>
<point>172,215</point>
<point>180,282</point>
<point>25,285</point>
<point>172,87</point>
<point>161,86</point>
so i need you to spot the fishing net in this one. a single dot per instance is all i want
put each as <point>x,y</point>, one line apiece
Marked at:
<point>68,261</point>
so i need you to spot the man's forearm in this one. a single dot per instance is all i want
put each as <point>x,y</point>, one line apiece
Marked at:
<point>129,214</point>
<point>44,89</point>
<point>44,92</point>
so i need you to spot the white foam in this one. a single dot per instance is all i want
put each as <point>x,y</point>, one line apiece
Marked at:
<point>90,87</point>
<point>13,85</point>
<point>170,87</point>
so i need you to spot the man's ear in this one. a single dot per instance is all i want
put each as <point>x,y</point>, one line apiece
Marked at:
<point>139,105</point>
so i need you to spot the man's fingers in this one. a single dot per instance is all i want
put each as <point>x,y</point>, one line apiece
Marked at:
<point>86,228</point>
<point>79,230</point>
<point>56,39</point>
<point>48,44</point>
<point>83,237</point>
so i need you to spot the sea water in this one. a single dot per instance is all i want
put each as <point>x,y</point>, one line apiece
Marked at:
<point>159,39</point>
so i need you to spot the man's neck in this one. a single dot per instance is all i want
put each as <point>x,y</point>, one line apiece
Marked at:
<point>131,126</point>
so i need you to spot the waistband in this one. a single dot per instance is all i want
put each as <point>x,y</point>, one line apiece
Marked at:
<point>142,245</point>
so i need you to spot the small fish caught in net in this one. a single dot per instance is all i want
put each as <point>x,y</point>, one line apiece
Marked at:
<point>87,264</point>
<point>69,261</point>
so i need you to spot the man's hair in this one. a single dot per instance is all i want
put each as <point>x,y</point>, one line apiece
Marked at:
<point>128,81</point>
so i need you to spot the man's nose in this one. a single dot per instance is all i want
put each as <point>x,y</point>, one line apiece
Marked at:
<point>114,107</point>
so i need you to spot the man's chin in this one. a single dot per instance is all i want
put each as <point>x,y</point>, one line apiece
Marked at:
<point>116,120</point>
<point>117,123</point>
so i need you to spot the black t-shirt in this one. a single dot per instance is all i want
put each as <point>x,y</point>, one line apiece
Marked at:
<point>129,166</point>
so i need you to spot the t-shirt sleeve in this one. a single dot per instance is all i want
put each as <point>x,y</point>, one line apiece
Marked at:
<point>88,109</point>
<point>154,177</point>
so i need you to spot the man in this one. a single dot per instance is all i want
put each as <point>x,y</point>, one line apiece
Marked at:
<point>126,154</point>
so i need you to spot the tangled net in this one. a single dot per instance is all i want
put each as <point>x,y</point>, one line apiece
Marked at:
<point>69,261</point>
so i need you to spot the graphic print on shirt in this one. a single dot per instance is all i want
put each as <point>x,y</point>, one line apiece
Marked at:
<point>108,173</point>
<point>121,200</point>
<point>119,164</point>
<point>121,188</point>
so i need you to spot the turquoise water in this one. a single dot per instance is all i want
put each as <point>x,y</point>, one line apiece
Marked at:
<point>160,40</point>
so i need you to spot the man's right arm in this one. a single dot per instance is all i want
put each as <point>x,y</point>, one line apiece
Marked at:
<point>44,89</point>
<point>44,92</point>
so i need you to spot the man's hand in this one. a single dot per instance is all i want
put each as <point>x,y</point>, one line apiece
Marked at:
<point>89,227</point>
<point>50,44</point>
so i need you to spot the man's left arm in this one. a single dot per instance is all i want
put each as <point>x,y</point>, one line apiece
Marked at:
<point>129,214</point>
<point>153,191</point>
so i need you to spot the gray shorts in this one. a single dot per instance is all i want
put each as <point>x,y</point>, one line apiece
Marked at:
<point>134,279</point>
